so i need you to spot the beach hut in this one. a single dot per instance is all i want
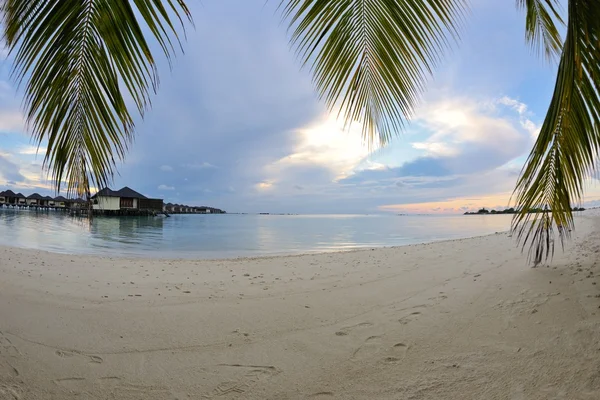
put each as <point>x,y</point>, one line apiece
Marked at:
<point>77,203</point>
<point>10,198</point>
<point>129,198</point>
<point>21,199</point>
<point>61,202</point>
<point>2,198</point>
<point>125,199</point>
<point>113,200</point>
<point>34,200</point>
<point>48,201</point>
<point>106,199</point>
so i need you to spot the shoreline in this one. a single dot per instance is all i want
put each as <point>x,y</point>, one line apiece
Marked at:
<point>461,318</point>
<point>253,258</point>
<point>257,257</point>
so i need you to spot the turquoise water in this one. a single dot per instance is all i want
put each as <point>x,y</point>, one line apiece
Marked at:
<point>224,236</point>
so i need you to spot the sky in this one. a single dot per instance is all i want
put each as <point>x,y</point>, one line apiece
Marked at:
<point>237,124</point>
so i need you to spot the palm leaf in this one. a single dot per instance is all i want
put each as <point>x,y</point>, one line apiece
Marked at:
<point>371,58</point>
<point>566,149</point>
<point>541,28</point>
<point>77,58</point>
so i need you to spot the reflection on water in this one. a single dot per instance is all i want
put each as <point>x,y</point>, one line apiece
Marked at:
<point>217,236</point>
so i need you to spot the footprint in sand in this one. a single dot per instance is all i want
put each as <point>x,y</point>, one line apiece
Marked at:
<point>64,354</point>
<point>252,375</point>
<point>70,354</point>
<point>6,369</point>
<point>438,299</point>
<point>96,359</point>
<point>399,351</point>
<point>346,330</point>
<point>7,348</point>
<point>372,345</point>
<point>71,383</point>
<point>10,391</point>
<point>321,395</point>
<point>410,317</point>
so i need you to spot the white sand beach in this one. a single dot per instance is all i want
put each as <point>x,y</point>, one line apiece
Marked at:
<point>462,319</point>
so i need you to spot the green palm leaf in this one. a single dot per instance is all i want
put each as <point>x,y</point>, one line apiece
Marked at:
<point>371,58</point>
<point>77,59</point>
<point>541,30</point>
<point>566,149</point>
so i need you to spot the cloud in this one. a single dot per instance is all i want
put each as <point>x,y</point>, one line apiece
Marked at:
<point>524,113</point>
<point>11,121</point>
<point>463,138</point>
<point>196,166</point>
<point>9,171</point>
<point>166,168</point>
<point>165,187</point>
<point>264,185</point>
<point>437,148</point>
<point>31,150</point>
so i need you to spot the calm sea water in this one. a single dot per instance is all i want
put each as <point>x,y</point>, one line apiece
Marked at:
<point>223,236</point>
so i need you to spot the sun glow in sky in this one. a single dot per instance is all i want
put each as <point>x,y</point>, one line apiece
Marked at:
<point>238,125</point>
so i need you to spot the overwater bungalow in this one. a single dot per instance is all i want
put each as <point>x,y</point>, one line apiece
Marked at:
<point>125,200</point>
<point>21,199</point>
<point>77,203</point>
<point>34,200</point>
<point>48,201</point>
<point>10,198</point>
<point>61,202</point>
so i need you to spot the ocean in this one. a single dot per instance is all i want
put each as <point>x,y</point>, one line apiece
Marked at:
<point>232,235</point>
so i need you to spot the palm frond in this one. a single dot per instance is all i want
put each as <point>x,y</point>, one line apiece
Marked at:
<point>371,58</point>
<point>566,149</point>
<point>542,17</point>
<point>77,59</point>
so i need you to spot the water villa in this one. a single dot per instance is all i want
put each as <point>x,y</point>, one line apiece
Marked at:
<point>35,200</point>
<point>9,199</point>
<point>124,201</point>
<point>183,209</point>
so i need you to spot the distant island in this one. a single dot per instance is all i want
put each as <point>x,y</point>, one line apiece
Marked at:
<point>485,211</point>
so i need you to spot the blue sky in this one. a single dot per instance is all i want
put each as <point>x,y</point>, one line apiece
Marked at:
<point>237,124</point>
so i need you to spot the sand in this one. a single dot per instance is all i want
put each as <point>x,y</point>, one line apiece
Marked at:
<point>462,319</point>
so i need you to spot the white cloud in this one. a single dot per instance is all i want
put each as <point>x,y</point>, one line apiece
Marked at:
<point>323,144</point>
<point>462,125</point>
<point>522,110</point>
<point>264,185</point>
<point>11,121</point>
<point>519,107</point>
<point>165,187</point>
<point>203,165</point>
<point>166,168</point>
<point>32,151</point>
<point>436,148</point>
